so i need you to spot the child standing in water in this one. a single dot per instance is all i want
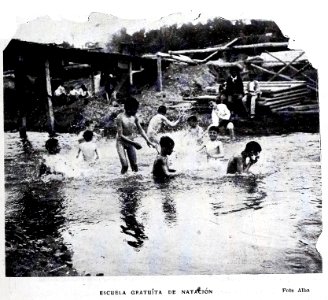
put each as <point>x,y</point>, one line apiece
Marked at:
<point>241,163</point>
<point>194,131</point>
<point>214,147</point>
<point>88,147</point>
<point>156,123</point>
<point>127,126</point>
<point>161,168</point>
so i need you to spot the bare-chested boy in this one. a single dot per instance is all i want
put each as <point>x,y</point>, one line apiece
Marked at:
<point>156,123</point>
<point>241,163</point>
<point>161,168</point>
<point>214,147</point>
<point>127,126</point>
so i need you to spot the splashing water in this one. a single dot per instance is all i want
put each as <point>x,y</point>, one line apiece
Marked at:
<point>201,222</point>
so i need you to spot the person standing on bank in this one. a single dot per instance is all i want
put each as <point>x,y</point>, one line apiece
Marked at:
<point>251,95</point>
<point>234,92</point>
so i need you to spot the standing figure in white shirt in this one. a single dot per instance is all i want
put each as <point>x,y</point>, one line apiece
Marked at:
<point>251,95</point>
<point>221,117</point>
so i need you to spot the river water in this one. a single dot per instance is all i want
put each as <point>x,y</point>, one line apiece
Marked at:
<point>96,221</point>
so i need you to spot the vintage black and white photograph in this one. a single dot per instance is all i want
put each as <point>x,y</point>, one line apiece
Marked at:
<point>183,145</point>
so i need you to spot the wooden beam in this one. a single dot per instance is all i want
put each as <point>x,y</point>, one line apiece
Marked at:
<point>287,65</point>
<point>293,68</point>
<point>271,72</point>
<point>159,74</point>
<point>280,75</point>
<point>262,45</point>
<point>49,97</point>
<point>225,47</point>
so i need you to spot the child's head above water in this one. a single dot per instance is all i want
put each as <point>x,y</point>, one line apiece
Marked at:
<point>192,121</point>
<point>89,124</point>
<point>162,110</point>
<point>253,150</point>
<point>213,132</point>
<point>52,146</point>
<point>167,145</point>
<point>88,135</point>
<point>131,106</point>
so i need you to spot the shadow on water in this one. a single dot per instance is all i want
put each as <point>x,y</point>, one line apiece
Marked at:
<point>168,203</point>
<point>130,197</point>
<point>34,246</point>
<point>246,186</point>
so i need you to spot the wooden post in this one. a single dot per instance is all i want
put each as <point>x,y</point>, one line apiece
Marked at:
<point>159,74</point>
<point>22,129</point>
<point>20,78</point>
<point>93,88</point>
<point>49,96</point>
<point>130,73</point>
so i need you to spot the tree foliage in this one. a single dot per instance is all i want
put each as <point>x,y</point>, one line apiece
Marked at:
<point>189,36</point>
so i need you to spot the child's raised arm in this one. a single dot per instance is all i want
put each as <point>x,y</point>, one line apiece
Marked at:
<point>97,155</point>
<point>201,148</point>
<point>166,121</point>
<point>143,134</point>
<point>78,153</point>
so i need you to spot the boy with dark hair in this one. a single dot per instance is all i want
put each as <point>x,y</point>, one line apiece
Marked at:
<point>241,163</point>
<point>161,168</point>
<point>127,126</point>
<point>90,125</point>
<point>156,123</point>
<point>88,148</point>
<point>234,91</point>
<point>53,148</point>
<point>194,131</point>
<point>214,147</point>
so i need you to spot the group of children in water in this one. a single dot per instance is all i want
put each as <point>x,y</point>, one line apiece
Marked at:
<point>128,125</point>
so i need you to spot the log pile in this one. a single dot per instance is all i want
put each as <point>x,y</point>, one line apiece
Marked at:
<point>281,95</point>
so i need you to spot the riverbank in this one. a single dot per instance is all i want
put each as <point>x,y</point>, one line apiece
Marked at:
<point>179,81</point>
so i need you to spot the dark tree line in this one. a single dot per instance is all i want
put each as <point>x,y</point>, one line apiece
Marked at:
<point>188,36</point>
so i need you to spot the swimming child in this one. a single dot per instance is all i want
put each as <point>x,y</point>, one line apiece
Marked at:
<point>47,167</point>
<point>156,123</point>
<point>221,116</point>
<point>90,125</point>
<point>214,147</point>
<point>127,126</point>
<point>194,131</point>
<point>241,163</point>
<point>88,147</point>
<point>161,168</point>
